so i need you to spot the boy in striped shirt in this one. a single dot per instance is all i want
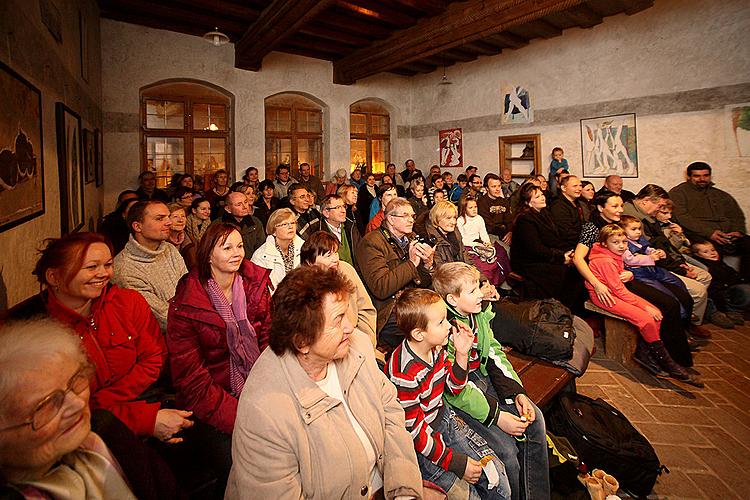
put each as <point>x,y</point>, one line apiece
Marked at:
<point>448,451</point>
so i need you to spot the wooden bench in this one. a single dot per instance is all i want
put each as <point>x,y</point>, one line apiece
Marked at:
<point>620,336</point>
<point>542,380</point>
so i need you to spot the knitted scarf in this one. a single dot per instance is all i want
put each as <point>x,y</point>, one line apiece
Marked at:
<point>196,228</point>
<point>241,337</point>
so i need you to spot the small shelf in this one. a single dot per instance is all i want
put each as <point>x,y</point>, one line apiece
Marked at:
<point>512,149</point>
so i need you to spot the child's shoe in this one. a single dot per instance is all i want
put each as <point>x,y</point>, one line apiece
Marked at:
<point>735,317</point>
<point>643,357</point>
<point>720,319</point>
<point>677,372</point>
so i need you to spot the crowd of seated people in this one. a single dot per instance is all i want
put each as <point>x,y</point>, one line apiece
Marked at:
<point>233,333</point>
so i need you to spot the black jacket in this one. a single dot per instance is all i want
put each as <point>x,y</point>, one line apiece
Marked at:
<point>353,236</point>
<point>568,217</point>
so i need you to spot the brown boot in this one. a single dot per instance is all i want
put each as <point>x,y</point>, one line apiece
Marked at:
<point>677,372</point>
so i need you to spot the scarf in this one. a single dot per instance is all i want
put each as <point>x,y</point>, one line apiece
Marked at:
<point>242,340</point>
<point>196,228</point>
<point>178,240</point>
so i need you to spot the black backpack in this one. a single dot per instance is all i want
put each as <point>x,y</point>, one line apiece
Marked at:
<point>539,328</point>
<point>605,439</point>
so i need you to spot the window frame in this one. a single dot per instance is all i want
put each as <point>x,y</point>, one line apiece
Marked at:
<point>293,135</point>
<point>369,136</point>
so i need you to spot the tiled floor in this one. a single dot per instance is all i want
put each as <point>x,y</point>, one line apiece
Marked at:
<point>702,435</point>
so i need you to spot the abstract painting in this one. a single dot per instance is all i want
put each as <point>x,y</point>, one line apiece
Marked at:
<point>21,163</point>
<point>516,105</point>
<point>739,143</point>
<point>609,146</point>
<point>70,169</point>
<point>451,148</point>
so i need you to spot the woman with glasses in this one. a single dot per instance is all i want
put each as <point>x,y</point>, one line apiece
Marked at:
<point>280,252</point>
<point>183,196</point>
<point>47,447</point>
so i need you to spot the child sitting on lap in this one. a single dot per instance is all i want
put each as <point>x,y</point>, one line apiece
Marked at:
<point>729,292</point>
<point>448,452</point>
<point>499,410</point>
<point>605,262</point>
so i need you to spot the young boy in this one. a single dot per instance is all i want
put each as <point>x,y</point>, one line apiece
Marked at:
<point>447,450</point>
<point>499,410</point>
<point>605,262</point>
<point>557,166</point>
<point>640,259</point>
<point>728,291</point>
<point>672,231</point>
<point>458,188</point>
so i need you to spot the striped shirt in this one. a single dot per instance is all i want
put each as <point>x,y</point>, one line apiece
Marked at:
<point>420,385</point>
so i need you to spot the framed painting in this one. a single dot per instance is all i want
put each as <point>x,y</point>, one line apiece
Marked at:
<point>89,158</point>
<point>21,158</point>
<point>98,157</point>
<point>739,130</point>
<point>609,146</point>
<point>70,169</point>
<point>516,105</point>
<point>451,148</point>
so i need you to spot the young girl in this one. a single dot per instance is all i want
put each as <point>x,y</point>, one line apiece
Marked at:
<point>605,262</point>
<point>491,259</point>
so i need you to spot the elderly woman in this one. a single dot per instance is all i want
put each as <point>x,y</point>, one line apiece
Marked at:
<point>441,226</point>
<point>417,196</point>
<point>217,326</point>
<point>198,219</point>
<point>47,447</point>
<point>318,418</point>
<point>321,249</point>
<point>178,236</point>
<point>280,252</point>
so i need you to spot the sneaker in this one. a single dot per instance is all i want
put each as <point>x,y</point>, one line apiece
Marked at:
<point>721,319</point>
<point>735,317</point>
<point>644,358</point>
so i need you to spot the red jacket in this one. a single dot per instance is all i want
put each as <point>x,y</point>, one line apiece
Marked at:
<point>198,351</point>
<point>607,266</point>
<point>124,342</point>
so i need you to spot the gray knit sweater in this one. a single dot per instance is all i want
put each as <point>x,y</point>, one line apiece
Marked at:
<point>154,274</point>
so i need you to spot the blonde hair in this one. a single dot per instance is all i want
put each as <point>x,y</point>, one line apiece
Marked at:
<point>277,217</point>
<point>174,206</point>
<point>442,210</point>
<point>450,278</point>
<point>343,190</point>
<point>609,231</point>
<point>410,309</point>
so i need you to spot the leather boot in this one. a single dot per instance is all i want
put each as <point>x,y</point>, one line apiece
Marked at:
<point>643,357</point>
<point>677,372</point>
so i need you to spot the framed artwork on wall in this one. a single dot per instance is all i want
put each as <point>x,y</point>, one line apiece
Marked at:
<point>609,146</point>
<point>70,169</point>
<point>516,105</point>
<point>89,157</point>
<point>451,148</point>
<point>739,132</point>
<point>98,157</point>
<point>21,158</point>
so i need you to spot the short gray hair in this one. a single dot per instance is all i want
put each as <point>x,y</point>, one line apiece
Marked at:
<point>29,344</point>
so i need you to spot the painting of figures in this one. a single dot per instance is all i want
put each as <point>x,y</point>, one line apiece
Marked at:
<point>740,130</point>
<point>516,105</point>
<point>21,165</point>
<point>451,148</point>
<point>70,169</point>
<point>609,146</point>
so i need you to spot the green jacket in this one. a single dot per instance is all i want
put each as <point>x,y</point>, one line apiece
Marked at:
<point>493,366</point>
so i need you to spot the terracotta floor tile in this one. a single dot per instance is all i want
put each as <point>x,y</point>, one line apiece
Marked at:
<point>738,453</point>
<point>680,398</point>
<point>680,414</point>
<point>732,475</point>
<point>598,378</point>
<point>673,434</point>
<point>712,486</point>
<point>731,422</point>
<point>706,359</point>
<point>676,485</point>
<point>628,405</point>
<point>680,458</point>
<point>592,391</point>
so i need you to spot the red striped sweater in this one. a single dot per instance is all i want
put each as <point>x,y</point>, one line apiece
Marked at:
<point>420,389</point>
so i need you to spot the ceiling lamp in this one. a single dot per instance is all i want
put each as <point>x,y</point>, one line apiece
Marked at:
<point>216,38</point>
<point>444,80</point>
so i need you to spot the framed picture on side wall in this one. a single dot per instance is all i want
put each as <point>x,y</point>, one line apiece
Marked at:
<point>609,146</point>
<point>451,148</point>
<point>98,157</point>
<point>21,162</point>
<point>89,157</point>
<point>70,169</point>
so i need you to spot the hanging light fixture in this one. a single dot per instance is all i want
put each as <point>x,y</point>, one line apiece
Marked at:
<point>216,38</point>
<point>444,80</point>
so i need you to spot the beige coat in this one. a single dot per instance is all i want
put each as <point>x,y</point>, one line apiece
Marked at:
<point>361,313</point>
<point>293,441</point>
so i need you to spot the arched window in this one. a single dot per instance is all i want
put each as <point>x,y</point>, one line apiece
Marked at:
<point>294,133</point>
<point>369,136</point>
<point>186,127</point>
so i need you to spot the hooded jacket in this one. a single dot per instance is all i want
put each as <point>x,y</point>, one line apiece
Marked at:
<point>607,267</point>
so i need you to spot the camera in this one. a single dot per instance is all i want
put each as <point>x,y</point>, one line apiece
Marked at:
<point>427,240</point>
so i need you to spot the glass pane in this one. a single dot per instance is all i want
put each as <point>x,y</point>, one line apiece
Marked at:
<point>358,123</point>
<point>165,155</point>
<point>209,117</point>
<point>380,155</point>
<point>278,151</point>
<point>357,153</point>
<point>165,115</point>
<point>308,151</point>
<point>209,155</point>
<point>379,124</point>
<point>308,121</point>
<point>279,120</point>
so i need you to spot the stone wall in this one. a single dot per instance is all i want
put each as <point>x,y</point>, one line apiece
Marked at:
<point>677,65</point>
<point>55,69</point>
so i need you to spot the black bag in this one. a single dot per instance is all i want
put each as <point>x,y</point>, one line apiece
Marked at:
<point>539,328</point>
<point>605,439</point>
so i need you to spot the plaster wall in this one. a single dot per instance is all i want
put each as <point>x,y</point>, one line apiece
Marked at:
<point>55,69</point>
<point>136,56</point>
<point>676,65</point>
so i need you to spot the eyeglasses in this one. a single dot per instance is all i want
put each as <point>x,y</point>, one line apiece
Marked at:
<point>48,408</point>
<point>405,216</point>
<point>286,225</point>
<point>337,207</point>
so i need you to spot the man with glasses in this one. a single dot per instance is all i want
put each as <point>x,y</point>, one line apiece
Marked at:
<point>390,260</point>
<point>334,221</point>
<point>300,201</point>
<point>281,182</point>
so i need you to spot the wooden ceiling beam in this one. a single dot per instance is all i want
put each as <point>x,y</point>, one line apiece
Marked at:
<point>584,16</point>
<point>334,35</point>
<point>420,67</point>
<point>315,54</point>
<point>280,20</point>
<point>354,26</point>
<point>483,48</point>
<point>459,55</point>
<point>507,39</point>
<point>438,61</point>
<point>152,22</point>
<point>379,12</point>
<point>402,72</point>
<point>461,23</point>
<point>170,13</point>
<point>635,6</point>
<point>313,43</point>
<point>224,8</point>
